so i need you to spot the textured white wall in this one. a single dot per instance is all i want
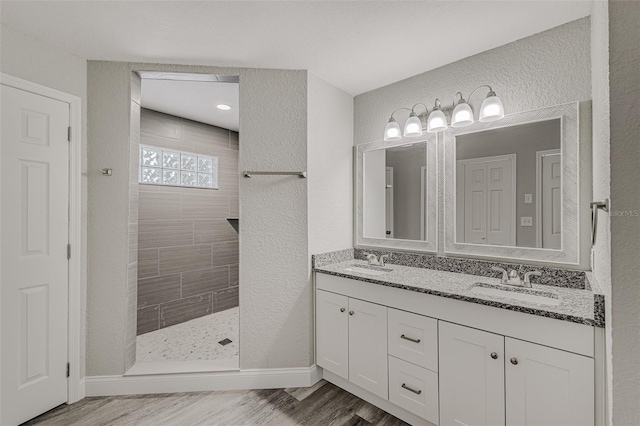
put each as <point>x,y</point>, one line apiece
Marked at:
<point>31,59</point>
<point>275,293</point>
<point>601,254</point>
<point>330,167</point>
<point>624,63</point>
<point>275,315</point>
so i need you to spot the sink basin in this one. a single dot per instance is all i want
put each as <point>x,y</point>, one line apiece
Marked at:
<point>369,270</point>
<point>516,293</point>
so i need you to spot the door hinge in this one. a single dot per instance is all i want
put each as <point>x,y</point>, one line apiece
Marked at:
<point>68,251</point>
<point>68,369</point>
<point>69,133</point>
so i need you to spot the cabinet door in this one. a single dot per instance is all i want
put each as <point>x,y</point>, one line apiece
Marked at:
<point>547,386</point>
<point>471,376</point>
<point>368,347</point>
<point>332,332</point>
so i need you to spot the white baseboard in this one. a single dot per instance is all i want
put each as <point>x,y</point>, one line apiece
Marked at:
<point>182,367</point>
<point>198,382</point>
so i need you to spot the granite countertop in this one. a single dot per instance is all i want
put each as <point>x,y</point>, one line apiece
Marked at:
<point>576,305</point>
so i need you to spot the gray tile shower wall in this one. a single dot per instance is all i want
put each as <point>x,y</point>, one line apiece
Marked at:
<point>550,276</point>
<point>187,250</point>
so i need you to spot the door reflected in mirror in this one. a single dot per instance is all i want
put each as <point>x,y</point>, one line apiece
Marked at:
<point>394,198</point>
<point>508,186</point>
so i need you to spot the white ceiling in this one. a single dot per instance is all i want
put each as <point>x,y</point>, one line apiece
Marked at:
<point>356,45</point>
<point>195,100</point>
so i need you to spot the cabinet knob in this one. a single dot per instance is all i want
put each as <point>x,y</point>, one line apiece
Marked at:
<point>341,309</point>
<point>351,312</point>
<point>514,361</point>
<point>494,355</point>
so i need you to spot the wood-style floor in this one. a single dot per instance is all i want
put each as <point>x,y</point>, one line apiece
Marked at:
<point>322,404</point>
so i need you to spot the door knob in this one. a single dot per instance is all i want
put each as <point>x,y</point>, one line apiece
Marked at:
<point>341,309</point>
<point>494,355</point>
<point>351,312</point>
<point>514,361</point>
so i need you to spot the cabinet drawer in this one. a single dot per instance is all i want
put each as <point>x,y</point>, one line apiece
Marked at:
<point>413,338</point>
<point>414,388</point>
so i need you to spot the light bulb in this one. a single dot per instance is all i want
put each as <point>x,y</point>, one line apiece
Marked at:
<point>413,126</point>
<point>491,109</point>
<point>437,121</point>
<point>392,131</point>
<point>462,115</point>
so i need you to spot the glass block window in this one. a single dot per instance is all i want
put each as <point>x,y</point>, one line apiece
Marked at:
<point>160,166</point>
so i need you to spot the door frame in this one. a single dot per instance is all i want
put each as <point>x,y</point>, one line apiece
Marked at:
<point>75,381</point>
<point>539,156</point>
<point>423,202</point>
<point>388,200</point>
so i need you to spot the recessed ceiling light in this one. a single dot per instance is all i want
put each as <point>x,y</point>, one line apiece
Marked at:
<point>224,107</point>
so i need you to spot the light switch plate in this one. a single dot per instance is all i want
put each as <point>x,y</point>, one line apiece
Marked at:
<point>526,221</point>
<point>528,198</point>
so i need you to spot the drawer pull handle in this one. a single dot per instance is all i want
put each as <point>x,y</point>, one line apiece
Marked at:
<point>417,392</point>
<point>410,339</point>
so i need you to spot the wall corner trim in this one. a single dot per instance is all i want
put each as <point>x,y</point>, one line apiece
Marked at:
<point>201,382</point>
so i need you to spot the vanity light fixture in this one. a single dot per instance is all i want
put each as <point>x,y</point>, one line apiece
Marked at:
<point>392,131</point>
<point>462,115</point>
<point>437,121</point>
<point>491,109</point>
<point>223,107</point>
<point>412,127</point>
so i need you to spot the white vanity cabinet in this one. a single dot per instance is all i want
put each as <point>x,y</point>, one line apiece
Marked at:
<point>351,338</point>
<point>432,360</point>
<point>489,379</point>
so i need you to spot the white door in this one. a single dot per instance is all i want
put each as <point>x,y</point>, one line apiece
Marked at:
<point>500,206</point>
<point>551,207</point>
<point>489,200</point>
<point>389,202</point>
<point>332,332</point>
<point>547,387</point>
<point>34,155</point>
<point>471,376</point>
<point>368,347</point>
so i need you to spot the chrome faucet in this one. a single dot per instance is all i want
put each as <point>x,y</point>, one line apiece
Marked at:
<point>372,259</point>
<point>513,278</point>
<point>527,280</point>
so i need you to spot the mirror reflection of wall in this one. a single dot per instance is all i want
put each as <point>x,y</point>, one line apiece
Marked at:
<point>508,189</point>
<point>395,192</point>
